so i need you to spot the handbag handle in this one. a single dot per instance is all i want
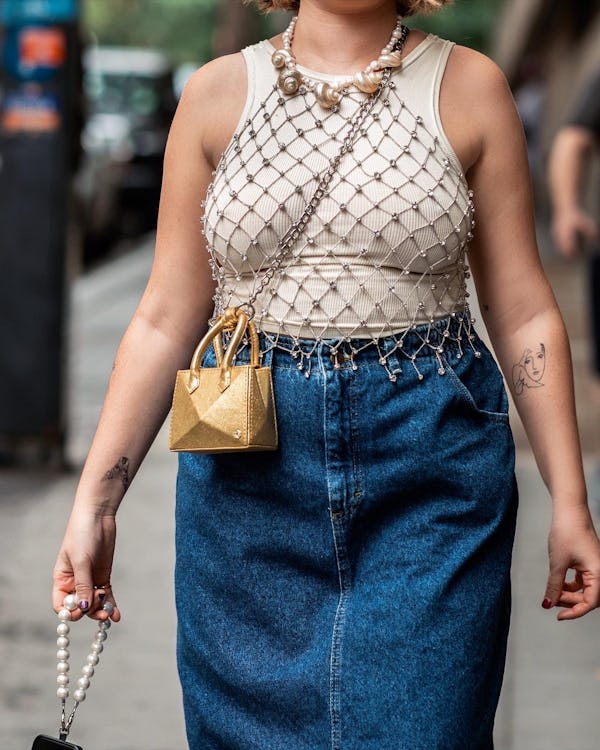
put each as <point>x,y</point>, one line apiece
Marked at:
<point>233,319</point>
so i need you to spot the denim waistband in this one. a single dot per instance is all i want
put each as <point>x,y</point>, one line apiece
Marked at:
<point>450,334</point>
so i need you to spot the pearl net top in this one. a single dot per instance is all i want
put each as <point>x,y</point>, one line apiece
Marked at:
<point>385,249</point>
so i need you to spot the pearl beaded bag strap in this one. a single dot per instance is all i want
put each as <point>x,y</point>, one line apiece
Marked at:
<point>43,742</point>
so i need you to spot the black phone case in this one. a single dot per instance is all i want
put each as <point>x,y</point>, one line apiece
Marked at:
<point>42,742</point>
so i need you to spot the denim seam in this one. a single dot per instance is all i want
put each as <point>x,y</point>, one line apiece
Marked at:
<point>329,496</point>
<point>341,556</point>
<point>336,517</point>
<point>355,447</point>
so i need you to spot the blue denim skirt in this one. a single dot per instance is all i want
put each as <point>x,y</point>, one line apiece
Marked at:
<point>351,591</point>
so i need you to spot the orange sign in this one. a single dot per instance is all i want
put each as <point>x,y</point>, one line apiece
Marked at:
<point>29,120</point>
<point>30,111</point>
<point>42,47</point>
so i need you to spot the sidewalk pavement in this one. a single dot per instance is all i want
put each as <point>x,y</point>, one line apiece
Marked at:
<point>551,695</point>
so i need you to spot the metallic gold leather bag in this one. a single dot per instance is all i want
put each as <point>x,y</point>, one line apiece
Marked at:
<point>228,407</point>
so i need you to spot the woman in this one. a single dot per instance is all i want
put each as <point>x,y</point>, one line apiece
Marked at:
<point>351,589</point>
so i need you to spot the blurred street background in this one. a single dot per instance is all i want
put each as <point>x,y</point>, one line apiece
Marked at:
<point>87,92</point>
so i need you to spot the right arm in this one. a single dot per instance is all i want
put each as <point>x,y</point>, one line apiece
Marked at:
<point>569,159</point>
<point>168,323</point>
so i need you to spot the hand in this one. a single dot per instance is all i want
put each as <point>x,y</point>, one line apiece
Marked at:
<point>84,564</point>
<point>571,227</point>
<point>573,544</point>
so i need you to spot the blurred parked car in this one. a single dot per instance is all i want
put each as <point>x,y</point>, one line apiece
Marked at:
<point>130,104</point>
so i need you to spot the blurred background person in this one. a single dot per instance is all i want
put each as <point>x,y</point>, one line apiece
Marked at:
<point>529,90</point>
<point>574,228</point>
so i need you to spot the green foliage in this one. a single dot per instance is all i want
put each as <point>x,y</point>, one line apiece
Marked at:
<point>184,28</point>
<point>468,22</point>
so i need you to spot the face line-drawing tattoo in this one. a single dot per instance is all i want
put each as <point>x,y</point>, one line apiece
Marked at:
<point>119,471</point>
<point>529,370</point>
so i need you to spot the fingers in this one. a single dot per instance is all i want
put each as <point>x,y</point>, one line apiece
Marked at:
<point>565,236</point>
<point>96,599</point>
<point>575,585</point>
<point>569,245</point>
<point>579,603</point>
<point>569,599</point>
<point>78,579</point>
<point>554,587</point>
<point>84,590</point>
<point>577,597</point>
<point>577,610</point>
<point>64,583</point>
<point>105,596</point>
<point>573,229</point>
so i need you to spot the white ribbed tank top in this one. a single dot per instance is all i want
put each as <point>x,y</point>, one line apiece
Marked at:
<point>385,250</point>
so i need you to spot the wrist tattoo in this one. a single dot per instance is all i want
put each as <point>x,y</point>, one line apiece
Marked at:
<point>119,471</point>
<point>528,372</point>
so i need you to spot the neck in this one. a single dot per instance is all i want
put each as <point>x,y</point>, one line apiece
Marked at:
<point>333,38</point>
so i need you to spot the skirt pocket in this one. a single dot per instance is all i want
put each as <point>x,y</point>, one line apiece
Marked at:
<point>478,382</point>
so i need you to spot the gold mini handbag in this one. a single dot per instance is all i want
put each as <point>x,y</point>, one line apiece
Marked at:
<point>232,407</point>
<point>228,407</point>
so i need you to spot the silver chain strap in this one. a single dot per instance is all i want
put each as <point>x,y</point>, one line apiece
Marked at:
<point>66,723</point>
<point>289,238</point>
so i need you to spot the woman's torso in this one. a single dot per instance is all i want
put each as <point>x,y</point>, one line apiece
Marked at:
<point>385,249</point>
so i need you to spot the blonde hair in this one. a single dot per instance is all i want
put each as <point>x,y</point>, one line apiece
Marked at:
<point>405,7</point>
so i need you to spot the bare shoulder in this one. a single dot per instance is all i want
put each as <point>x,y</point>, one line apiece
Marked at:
<point>476,80</point>
<point>475,104</point>
<point>212,102</point>
<point>219,76</point>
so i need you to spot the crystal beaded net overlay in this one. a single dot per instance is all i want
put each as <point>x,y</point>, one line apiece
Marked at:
<point>384,251</point>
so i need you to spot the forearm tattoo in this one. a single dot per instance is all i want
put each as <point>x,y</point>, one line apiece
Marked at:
<point>119,471</point>
<point>528,372</point>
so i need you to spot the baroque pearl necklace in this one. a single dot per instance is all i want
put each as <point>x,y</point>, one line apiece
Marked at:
<point>63,654</point>
<point>329,94</point>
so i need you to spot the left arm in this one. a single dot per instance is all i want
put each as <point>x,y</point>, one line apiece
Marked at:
<point>527,330</point>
